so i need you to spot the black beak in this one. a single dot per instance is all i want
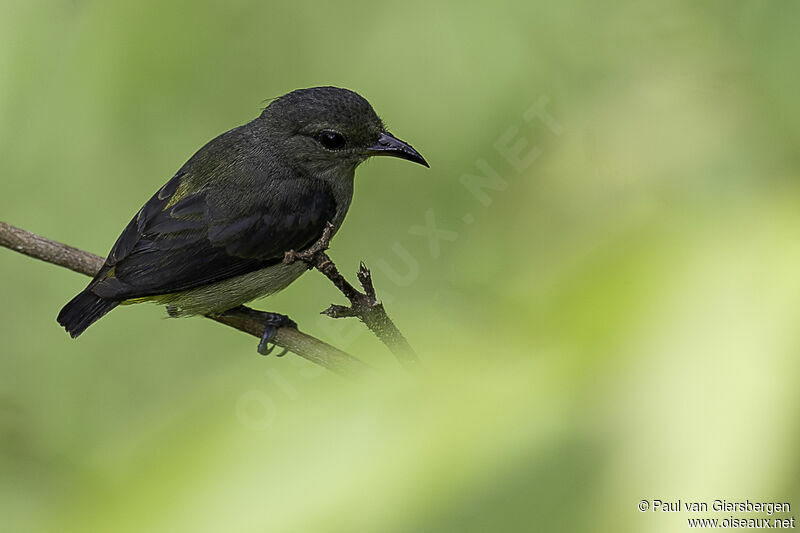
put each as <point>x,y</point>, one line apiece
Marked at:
<point>390,145</point>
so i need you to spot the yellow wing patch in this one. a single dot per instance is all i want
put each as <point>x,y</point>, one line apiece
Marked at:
<point>181,192</point>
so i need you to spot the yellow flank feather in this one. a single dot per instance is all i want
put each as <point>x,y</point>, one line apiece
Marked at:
<point>158,298</point>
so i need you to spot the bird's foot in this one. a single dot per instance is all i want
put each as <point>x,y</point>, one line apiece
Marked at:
<point>273,321</point>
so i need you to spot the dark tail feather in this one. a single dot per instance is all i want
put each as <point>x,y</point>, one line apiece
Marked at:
<point>83,311</point>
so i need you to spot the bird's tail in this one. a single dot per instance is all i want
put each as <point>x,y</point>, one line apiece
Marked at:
<point>83,311</point>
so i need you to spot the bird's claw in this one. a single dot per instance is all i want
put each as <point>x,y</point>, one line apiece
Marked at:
<point>272,323</point>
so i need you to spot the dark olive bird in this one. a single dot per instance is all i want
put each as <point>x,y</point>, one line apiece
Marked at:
<point>214,236</point>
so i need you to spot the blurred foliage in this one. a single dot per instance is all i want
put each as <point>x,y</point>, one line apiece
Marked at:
<point>618,323</point>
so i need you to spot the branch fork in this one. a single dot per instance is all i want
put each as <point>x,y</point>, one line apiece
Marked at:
<point>363,305</point>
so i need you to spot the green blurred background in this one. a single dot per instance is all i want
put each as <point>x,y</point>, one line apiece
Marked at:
<point>619,323</point>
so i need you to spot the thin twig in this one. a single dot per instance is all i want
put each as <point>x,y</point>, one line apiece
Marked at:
<point>363,305</point>
<point>241,318</point>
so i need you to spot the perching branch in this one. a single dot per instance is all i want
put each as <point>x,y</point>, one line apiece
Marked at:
<point>363,305</point>
<point>241,318</point>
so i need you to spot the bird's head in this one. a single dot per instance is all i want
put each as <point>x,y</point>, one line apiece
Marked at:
<point>330,131</point>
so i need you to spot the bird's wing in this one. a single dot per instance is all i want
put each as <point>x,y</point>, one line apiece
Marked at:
<point>181,240</point>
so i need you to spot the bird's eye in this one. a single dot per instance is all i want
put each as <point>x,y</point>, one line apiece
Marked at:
<point>331,140</point>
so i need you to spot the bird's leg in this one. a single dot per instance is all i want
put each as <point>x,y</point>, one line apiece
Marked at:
<point>273,321</point>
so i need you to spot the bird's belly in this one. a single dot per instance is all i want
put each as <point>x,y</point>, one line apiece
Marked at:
<point>223,295</point>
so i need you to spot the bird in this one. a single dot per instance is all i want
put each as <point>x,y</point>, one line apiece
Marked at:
<point>215,235</point>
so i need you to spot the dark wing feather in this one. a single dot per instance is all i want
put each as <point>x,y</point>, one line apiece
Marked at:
<point>172,246</point>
